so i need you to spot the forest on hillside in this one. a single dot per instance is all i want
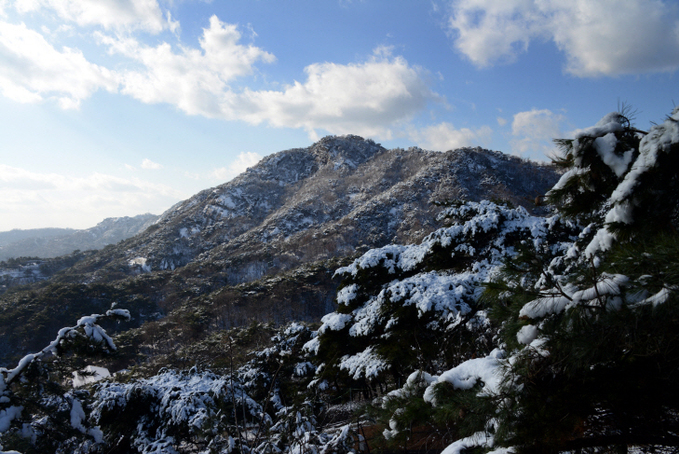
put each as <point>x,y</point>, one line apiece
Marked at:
<point>500,332</point>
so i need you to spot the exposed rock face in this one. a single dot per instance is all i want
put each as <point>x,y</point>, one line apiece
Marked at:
<point>331,199</point>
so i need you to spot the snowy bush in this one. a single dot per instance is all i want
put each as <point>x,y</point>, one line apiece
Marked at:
<point>36,411</point>
<point>158,413</point>
<point>418,307</point>
<point>261,407</point>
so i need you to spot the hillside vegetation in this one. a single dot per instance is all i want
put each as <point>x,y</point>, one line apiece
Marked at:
<point>501,331</point>
<point>260,248</point>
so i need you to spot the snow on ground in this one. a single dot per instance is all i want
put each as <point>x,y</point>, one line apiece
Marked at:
<point>92,374</point>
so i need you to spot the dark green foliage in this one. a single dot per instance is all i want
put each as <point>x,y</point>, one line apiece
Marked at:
<point>588,317</point>
<point>604,376</point>
<point>408,412</point>
<point>655,208</point>
<point>650,177</point>
<point>43,399</point>
<point>51,415</point>
<point>609,379</point>
<point>585,193</point>
<point>651,263</point>
<point>462,410</point>
<point>30,320</point>
<point>284,368</point>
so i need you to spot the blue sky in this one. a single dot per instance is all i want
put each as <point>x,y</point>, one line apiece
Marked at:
<point>121,107</point>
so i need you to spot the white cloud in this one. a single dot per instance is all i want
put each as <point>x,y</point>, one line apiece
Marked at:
<point>196,81</point>
<point>243,161</point>
<point>32,69</point>
<point>372,98</point>
<point>111,14</point>
<point>367,98</point>
<point>150,165</point>
<point>445,136</point>
<point>598,37</point>
<point>533,132</point>
<point>501,121</point>
<point>30,199</point>
<point>490,30</point>
<point>605,38</point>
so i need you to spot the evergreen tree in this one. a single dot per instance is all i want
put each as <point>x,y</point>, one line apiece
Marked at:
<point>38,411</point>
<point>598,354</point>
<point>403,308</point>
<point>587,355</point>
<point>408,314</point>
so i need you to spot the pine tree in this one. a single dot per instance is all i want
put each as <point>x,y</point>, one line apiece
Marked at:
<point>594,163</point>
<point>597,354</point>
<point>38,413</point>
<point>587,351</point>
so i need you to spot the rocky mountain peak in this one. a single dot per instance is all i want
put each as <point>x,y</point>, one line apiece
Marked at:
<point>328,200</point>
<point>348,150</point>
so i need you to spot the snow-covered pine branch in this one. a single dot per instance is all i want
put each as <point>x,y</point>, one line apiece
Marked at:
<point>86,328</point>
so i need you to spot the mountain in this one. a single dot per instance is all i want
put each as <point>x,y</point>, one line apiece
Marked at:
<point>324,201</point>
<point>48,243</point>
<point>264,246</point>
<point>17,235</point>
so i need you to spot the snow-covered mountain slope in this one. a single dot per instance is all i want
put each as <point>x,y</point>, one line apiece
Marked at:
<point>327,200</point>
<point>264,246</point>
<point>48,243</point>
